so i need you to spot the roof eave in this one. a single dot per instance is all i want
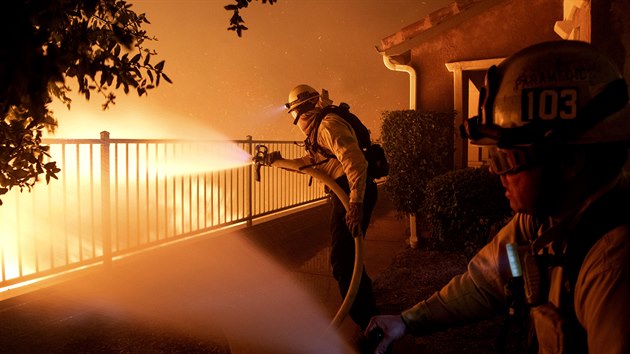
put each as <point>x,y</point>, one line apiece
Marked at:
<point>434,24</point>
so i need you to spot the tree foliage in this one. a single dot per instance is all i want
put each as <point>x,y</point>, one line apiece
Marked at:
<point>45,45</point>
<point>236,21</point>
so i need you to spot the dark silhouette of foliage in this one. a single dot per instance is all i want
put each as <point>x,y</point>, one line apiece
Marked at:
<point>236,21</point>
<point>43,44</point>
<point>419,146</point>
<point>464,208</point>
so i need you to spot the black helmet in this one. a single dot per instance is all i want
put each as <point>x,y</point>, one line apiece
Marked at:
<point>562,90</point>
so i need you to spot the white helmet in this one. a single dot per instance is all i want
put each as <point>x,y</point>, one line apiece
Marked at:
<point>298,97</point>
<point>564,91</point>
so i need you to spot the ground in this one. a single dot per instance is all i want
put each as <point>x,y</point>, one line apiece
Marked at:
<point>415,274</point>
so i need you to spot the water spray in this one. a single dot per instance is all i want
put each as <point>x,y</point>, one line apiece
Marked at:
<point>260,156</point>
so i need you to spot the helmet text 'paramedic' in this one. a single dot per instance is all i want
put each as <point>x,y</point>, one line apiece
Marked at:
<point>563,91</point>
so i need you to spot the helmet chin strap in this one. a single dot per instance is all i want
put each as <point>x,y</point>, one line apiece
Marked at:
<point>301,109</point>
<point>296,117</point>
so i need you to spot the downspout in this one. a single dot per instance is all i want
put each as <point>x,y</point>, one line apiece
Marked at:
<point>394,65</point>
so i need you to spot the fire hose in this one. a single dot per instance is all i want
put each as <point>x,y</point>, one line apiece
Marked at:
<point>296,166</point>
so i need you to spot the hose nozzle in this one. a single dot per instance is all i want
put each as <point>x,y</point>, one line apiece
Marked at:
<point>260,155</point>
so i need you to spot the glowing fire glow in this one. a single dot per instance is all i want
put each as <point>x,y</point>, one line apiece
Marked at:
<point>156,190</point>
<point>152,188</point>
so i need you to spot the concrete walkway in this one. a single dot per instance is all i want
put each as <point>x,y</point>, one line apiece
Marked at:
<point>169,300</point>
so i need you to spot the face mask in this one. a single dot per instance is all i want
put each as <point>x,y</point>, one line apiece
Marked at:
<point>305,123</point>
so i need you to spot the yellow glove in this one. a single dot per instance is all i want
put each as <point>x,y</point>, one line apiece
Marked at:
<point>272,157</point>
<point>354,218</point>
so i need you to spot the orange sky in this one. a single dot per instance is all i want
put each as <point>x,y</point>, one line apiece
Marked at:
<point>236,87</point>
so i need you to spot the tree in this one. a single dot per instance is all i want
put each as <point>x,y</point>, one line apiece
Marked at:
<point>236,21</point>
<point>44,44</point>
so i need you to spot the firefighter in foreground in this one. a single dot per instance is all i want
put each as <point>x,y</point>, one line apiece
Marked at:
<point>333,148</point>
<point>557,121</point>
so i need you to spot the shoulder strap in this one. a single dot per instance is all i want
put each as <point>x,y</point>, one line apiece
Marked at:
<point>360,130</point>
<point>311,144</point>
<point>607,213</point>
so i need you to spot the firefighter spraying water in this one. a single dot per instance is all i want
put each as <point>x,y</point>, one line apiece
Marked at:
<point>340,154</point>
<point>261,158</point>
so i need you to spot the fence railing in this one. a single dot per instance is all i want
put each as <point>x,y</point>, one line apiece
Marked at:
<point>118,196</point>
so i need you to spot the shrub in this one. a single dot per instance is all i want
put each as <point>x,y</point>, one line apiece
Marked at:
<point>419,146</point>
<point>464,208</point>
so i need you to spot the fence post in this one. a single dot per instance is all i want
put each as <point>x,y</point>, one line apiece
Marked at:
<point>105,200</point>
<point>250,184</point>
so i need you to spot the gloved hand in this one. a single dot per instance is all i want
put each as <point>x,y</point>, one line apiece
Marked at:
<point>354,218</point>
<point>391,328</point>
<point>272,157</point>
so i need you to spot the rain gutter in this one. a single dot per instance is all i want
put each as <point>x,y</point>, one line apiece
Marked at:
<point>400,63</point>
<point>394,63</point>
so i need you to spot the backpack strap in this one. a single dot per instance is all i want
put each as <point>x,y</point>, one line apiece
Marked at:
<point>611,210</point>
<point>312,147</point>
<point>606,214</point>
<point>311,144</point>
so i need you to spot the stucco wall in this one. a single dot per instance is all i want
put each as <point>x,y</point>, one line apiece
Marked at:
<point>497,32</point>
<point>610,30</point>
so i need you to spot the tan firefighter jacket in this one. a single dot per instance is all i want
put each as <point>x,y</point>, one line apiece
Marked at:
<point>601,297</point>
<point>338,137</point>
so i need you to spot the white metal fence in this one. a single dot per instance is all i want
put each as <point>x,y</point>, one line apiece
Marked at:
<point>117,196</point>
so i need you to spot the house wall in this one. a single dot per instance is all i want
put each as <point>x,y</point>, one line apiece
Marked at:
<point>610,30</point>
<point>497,32</point>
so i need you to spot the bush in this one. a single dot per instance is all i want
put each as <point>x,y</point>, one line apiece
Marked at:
<point>464,208</point>
<point>419,146</point>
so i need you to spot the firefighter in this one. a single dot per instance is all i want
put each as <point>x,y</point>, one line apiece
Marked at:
<point>333,148</point>
<point>556,119</point>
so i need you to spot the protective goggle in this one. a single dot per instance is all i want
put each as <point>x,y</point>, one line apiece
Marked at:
<point>294,106</point>
<point>504,161</point>
<point>301,98</point>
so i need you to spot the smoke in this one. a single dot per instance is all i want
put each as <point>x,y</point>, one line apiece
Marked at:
<point>86,120</point>
<point>222,285</point>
